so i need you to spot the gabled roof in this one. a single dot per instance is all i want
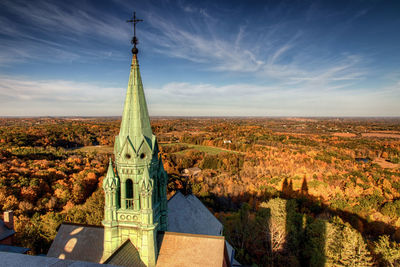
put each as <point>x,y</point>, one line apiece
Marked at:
<point>186,214</point>
<point>126,255</point>
<point>78,242</point>
<point>85,243</point>
<point>179,249</point>
<point>5,231</point>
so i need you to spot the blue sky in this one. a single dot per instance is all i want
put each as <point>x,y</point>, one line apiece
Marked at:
<point>206,58</point>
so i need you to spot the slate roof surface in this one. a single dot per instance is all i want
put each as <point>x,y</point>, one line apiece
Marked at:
<point>5,231</point>
<point>78,242</point>
<point>180,249</point>
<point>186,214</point>
<point>14,249</point>
<point>230,251</point>
<point>21,260</point>
<point>85,243</point>
<point>126,255</point>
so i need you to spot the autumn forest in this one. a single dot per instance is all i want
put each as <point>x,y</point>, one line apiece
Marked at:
<point>289,191</point>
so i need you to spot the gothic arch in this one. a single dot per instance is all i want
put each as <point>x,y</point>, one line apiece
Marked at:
<point>129,193</point>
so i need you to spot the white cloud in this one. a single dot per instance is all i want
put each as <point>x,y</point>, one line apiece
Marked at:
<point>21,96</point>
<point>66,18</point>
<point>250,100</point>
<point>298,81</point>
<point>53,32</point>
<point>265,53</point>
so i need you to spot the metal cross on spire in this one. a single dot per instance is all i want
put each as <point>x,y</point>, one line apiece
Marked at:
<point>134,41</point>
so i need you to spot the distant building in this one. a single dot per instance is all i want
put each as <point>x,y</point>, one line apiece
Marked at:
<point>227,142</point>
<point>191,172</point>
<point>7,233</point>
<point>7,228</point>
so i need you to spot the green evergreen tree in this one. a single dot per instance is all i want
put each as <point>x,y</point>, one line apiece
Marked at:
<point>354,250</point>
<point>334,243</point>
<point>388,251</point>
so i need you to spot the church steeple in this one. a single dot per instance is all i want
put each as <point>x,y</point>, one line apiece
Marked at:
<point>135,194</point>
<point>135,122</point>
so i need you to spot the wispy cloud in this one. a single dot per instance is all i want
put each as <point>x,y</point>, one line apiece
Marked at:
<point>273,51</point>
<point>201,46</point>
<point>26,97</point>
<point>293,61</point>
<point>65,18</point>
<point>248,99</point>
<point>263,52</point>
<point>48,31</point>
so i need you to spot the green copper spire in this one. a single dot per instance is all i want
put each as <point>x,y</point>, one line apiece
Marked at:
<point>135,194</point>
<point>135,122</point>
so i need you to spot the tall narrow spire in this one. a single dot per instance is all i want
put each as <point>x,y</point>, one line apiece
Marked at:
<point>135,122</point>
<point>136,201</point>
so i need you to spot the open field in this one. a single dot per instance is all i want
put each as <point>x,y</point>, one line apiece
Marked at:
<point>109,149</point>
<point>97,149</point>
<point>381,135</point>
<point>206,149</point>
<point>344,134</point>
<point>386,164</point>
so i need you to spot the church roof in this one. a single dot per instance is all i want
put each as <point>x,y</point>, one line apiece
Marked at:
<point>78,242</point>
<point>126,255</point>
<point>180,249</point>
<point>85,243</point>
<point>186,214</point>
<point>13,249</point>
<point>135,122</point>
<point>21,260</point>
<point>5,231</point>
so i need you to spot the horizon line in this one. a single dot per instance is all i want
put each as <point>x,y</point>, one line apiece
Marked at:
<point>200,116</point>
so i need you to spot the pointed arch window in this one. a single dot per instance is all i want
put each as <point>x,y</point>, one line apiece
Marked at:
<point>129,194</point>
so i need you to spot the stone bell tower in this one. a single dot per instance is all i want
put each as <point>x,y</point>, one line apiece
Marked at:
<point>135,192</point>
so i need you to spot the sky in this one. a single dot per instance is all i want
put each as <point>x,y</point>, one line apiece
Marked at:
<point>201,58</point>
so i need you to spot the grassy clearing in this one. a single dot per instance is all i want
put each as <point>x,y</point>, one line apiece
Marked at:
<point>97,149</point>
<point>108,149</point>
<point>206,149</point>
